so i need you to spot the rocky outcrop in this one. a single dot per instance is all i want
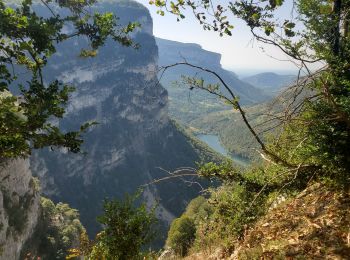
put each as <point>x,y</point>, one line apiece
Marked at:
<point>19,206</point>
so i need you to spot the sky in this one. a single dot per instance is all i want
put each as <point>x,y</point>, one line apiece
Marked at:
<point>240,53</point>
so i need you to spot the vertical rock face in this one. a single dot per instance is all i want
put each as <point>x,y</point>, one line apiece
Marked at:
<point>19,207</point>
<point>134,142</point>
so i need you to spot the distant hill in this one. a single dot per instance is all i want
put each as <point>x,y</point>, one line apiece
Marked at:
<point>188,105</point>
<point>269,81</point>
<point>264,118</point>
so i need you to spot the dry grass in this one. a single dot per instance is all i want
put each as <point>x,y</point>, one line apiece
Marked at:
<point>314,225</point>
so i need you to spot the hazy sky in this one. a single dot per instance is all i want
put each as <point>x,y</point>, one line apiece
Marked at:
<point>239,52</point>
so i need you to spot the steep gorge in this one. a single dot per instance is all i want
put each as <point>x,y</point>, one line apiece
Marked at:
<point>134,142</point>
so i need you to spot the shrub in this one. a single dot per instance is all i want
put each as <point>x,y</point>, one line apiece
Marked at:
<point>181,235</point>
<point>198,209</point>
<point>127,228</point>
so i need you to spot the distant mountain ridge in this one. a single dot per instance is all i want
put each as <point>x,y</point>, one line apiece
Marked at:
<point>188,105</point>
<point>171,52</point>
<point>270,81</point>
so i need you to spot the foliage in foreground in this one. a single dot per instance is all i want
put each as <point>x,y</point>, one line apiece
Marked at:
<point>181,235</point>
<point>315,120</point>
<point>28,103</point>
<point>223,216</point>
<point>127,229</point>
<point>313,141</point>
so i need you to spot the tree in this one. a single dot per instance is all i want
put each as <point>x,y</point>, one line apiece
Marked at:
<point>315,121</point>
<point>181,235</point>
<point>28,103</point>
<point>126,230</point>
<point>312,138</point>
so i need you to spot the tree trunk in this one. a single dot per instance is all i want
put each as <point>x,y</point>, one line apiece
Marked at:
<point>336,31</point>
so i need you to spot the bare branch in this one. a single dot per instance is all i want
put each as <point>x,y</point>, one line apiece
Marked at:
<point>274,157</point>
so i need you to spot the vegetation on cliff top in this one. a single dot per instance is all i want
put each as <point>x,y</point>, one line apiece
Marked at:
<point>57,231</point>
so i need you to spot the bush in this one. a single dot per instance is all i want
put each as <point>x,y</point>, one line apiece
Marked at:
<point>127,228</point>
<point>181,235</point>
<point>198,209</point>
